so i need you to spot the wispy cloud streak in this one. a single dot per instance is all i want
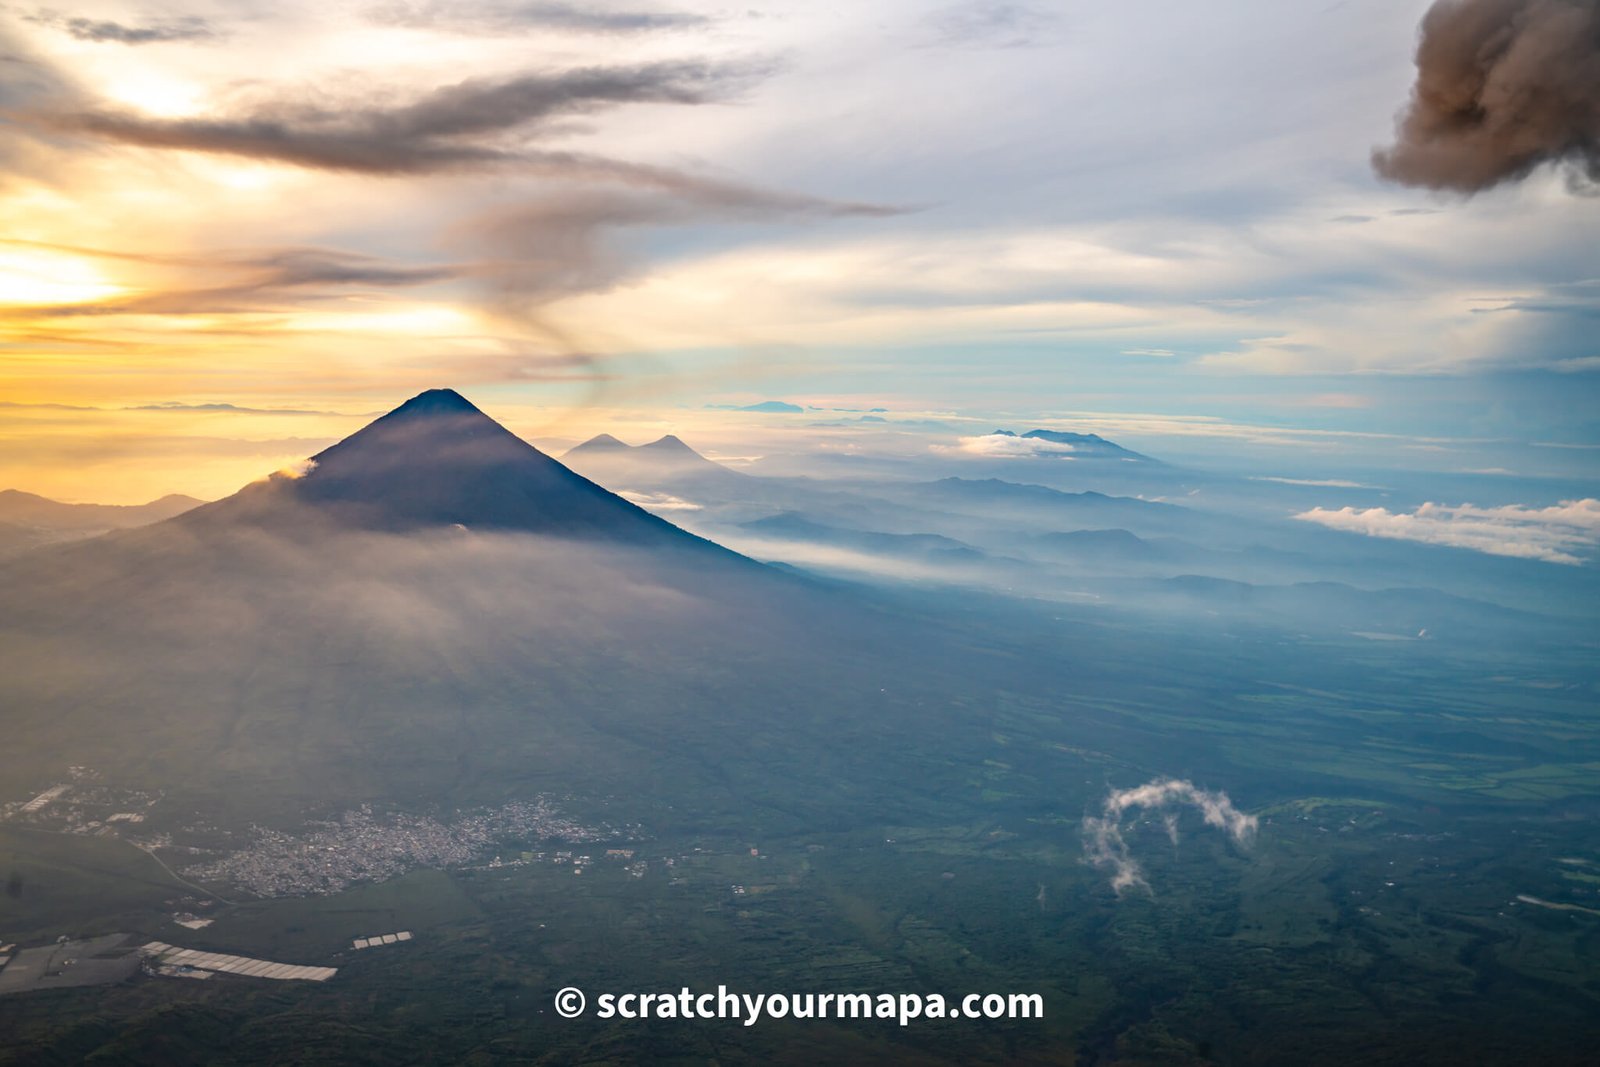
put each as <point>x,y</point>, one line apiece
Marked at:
<point>1554,534</point>
<point>500,18</point>
<point>107,31</point>
<point>470,125</point>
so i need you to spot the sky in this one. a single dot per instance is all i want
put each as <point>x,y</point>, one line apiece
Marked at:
<point>231,233</point>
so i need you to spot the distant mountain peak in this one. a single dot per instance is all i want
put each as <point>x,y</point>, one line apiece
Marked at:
<point>603,442</point>
<point>671,443</point>
<point>606,458</point>
<point>1081,445</point>
<point>436,402</point>
<point>772,407</point>
<point>1062,435</point>
<point>49,520</point>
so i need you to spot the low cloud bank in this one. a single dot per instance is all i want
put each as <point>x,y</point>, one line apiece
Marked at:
<point>659,501</point>
<point>1554,534</point>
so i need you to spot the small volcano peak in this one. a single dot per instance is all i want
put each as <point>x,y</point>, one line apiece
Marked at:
<point>600,443</point>
<point>437,402</point>
<point>667,456</point>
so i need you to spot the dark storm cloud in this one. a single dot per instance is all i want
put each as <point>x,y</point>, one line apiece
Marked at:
<point>1503,87</point>
<point>470,125</point>
<point>187,28</point>
<point>476,18</point>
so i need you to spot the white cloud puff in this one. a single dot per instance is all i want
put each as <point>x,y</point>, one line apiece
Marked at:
<point>1004,446</point>
<point>1104,845</point>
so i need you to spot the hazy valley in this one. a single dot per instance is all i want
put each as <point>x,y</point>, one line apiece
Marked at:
<point>422,681</point>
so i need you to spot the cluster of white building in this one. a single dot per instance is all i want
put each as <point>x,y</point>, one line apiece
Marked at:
<point>50,795</point>
<point>172,957</point>
<point>381,939</point>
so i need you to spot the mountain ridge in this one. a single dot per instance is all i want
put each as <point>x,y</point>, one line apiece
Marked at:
<point>19,506</point>
<point>1090,445</point>
<point>29,521</point>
